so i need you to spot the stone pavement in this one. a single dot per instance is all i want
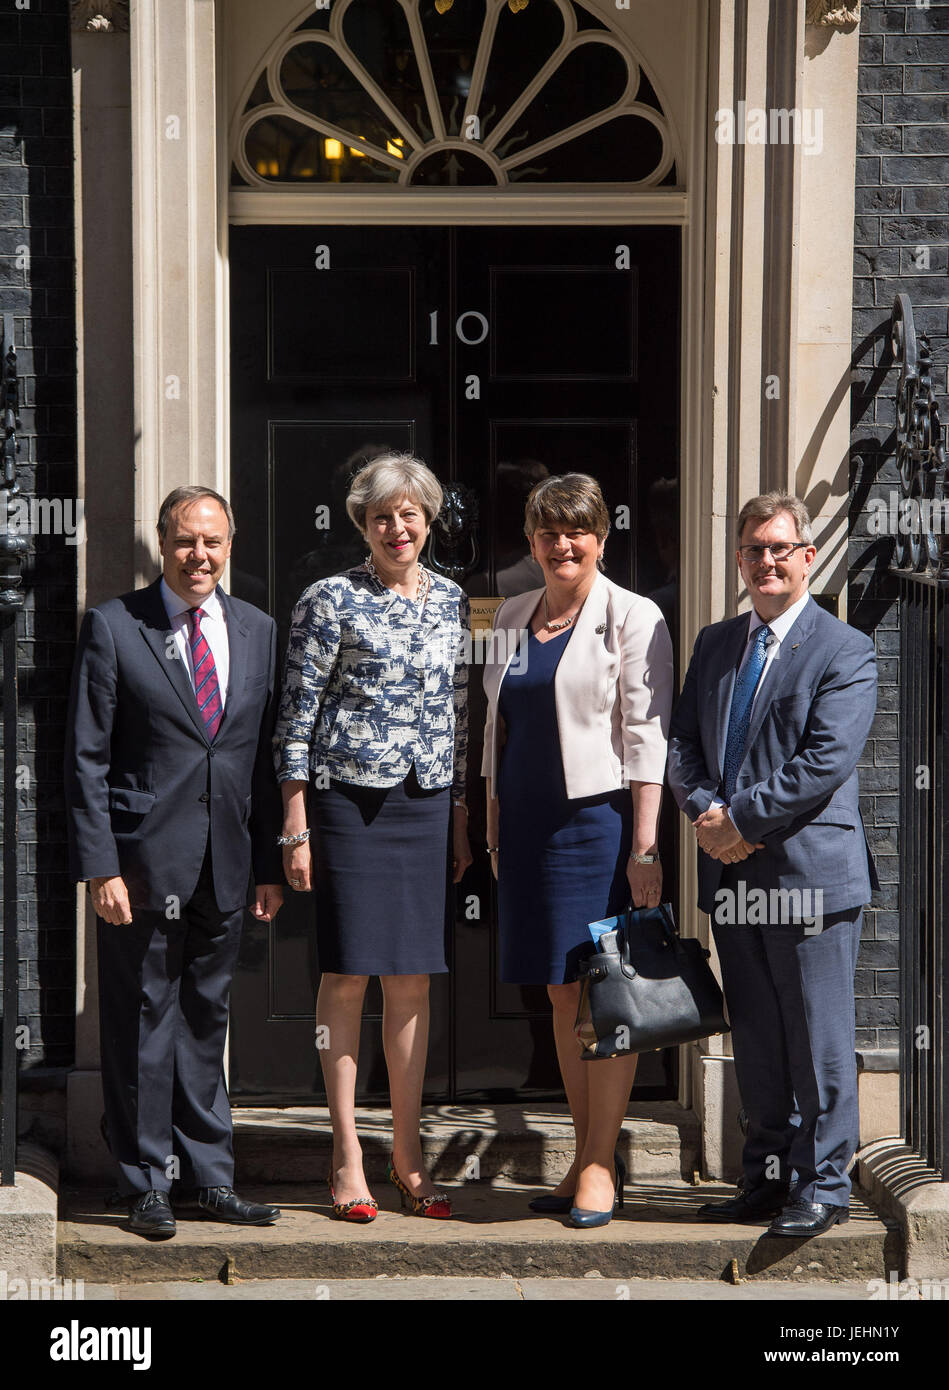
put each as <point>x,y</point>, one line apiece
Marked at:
<point>503,1289</point>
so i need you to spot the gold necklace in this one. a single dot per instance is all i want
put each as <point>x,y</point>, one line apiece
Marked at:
<point>423,579</point>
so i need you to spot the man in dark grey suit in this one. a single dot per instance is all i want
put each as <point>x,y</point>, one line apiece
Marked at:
<point>172,806</point>
<point>764,742</point>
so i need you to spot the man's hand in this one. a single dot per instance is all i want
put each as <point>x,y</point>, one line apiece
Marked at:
<point>719,838</point>
<point>110,898</point>
<point>268,900</point>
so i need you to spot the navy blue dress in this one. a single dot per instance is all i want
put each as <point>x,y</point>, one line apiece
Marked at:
<point>562,863</point>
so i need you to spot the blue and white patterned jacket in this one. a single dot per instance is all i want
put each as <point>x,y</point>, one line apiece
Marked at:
<point>373,686</point>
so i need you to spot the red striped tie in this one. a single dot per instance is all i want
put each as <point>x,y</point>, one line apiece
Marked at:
<point>206,687</point>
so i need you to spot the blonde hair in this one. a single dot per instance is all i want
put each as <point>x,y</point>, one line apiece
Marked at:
<point>392,476</point>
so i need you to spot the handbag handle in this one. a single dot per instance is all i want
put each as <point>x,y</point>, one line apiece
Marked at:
<point>665,913</point>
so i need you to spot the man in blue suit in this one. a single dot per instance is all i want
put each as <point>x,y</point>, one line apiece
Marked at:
<point>774,713</point>
<point>172,807</point>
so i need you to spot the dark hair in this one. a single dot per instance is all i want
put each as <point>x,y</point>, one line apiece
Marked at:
<point>573,499</point>
<point>181,496</point>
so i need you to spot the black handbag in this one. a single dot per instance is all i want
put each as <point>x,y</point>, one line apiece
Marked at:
<point>645,987</point>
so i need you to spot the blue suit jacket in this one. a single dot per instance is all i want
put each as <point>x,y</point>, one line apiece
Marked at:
<point>144,787</point>
<point>796,790</point>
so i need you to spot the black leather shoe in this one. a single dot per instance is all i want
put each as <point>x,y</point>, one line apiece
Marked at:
<point>758,1204</point>
<point>150,1214</point>
<point>223,1204</point>
<point>807,1219</point>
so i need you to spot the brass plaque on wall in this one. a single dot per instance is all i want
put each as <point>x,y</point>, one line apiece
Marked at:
<point>482,613</point>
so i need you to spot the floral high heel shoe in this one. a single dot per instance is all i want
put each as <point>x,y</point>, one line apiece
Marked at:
<point>437,1206</point>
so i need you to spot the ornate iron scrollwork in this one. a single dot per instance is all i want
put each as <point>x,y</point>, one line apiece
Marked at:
<point>455,531</point>
<point>12,547</point>
<point>919,530</point>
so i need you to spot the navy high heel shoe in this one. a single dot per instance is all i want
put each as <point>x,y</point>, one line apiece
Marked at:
<point>580,1217</point>
<point>552,1205</point>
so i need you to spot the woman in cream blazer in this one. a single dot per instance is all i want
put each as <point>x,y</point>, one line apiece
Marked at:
<point>579,684</point>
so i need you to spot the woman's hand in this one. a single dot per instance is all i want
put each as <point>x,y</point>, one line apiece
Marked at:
<point>492,823</point>
<point>298,866</point>
<point>645,883</point>
<point>461,849</point>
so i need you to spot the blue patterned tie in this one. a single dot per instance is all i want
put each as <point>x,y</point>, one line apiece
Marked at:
<point>740,716</point>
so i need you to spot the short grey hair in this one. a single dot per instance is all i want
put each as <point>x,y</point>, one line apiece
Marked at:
<point>392,476</point>
<point>769,504</point>
<point>183,497</point>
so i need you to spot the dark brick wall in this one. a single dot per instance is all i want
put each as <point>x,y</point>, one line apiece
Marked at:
<point>902,206</point>
<point>36,213</point>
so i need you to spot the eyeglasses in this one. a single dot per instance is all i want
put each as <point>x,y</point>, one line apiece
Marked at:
<point>780,551</point>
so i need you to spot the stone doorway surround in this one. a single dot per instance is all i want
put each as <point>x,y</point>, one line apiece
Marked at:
<point>766,276</point>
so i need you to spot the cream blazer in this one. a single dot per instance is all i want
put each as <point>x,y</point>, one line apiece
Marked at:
<point>613,689</point>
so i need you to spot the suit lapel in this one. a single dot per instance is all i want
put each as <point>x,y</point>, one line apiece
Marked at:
<point>238,643</point>
<point>158,633</point>
<point>574,665</point>
<point>516,618</point>
<point>781,671</point>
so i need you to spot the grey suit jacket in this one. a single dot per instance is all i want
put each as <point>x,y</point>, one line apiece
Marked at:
<point>145,790</point>
<point>796,790</point>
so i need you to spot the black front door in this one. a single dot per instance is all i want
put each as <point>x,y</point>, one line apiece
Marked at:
<point>498,356</point>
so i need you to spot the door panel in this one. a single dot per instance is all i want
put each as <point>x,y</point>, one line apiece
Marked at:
<point>317,324</point>
<point>326,371</point>
<point>562,323</point>
<point>562,389</point>
<point>499,356</point>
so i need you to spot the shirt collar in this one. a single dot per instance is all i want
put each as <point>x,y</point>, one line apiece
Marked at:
<point>781,625</point>
<point>176,606</point>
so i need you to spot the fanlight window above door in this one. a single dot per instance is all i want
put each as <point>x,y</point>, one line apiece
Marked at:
<point>426,93</point>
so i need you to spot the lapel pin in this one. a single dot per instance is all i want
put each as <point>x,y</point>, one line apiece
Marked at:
<point>601,627</point>
<point>794,646</point>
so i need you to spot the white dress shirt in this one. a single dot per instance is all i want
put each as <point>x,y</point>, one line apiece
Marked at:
<point>213,626</point>
<point>780,627</point>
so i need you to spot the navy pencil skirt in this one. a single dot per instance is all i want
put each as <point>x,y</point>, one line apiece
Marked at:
<point>381,861</point>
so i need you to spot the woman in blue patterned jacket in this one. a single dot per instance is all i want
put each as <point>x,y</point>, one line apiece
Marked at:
<point>372,734</point>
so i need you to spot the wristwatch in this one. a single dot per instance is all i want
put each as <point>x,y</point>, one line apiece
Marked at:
<point>644,858</point>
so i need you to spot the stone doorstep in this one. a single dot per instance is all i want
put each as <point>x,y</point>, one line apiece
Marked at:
<point>28,1216</point>
<point>492,1233</point>
<point>659,1140</point>
<point>915,1200</point>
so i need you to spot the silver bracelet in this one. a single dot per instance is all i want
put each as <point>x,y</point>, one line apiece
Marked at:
<point>300,839</point>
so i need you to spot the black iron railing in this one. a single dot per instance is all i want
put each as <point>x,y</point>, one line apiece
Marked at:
<point>12,549</point>
<point>917,518</point>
